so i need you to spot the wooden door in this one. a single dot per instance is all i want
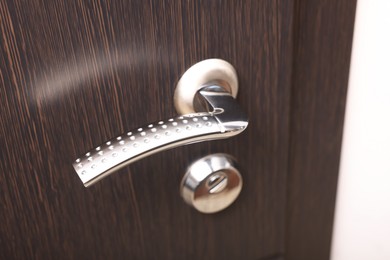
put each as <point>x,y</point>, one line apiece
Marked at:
<point>76,73</point>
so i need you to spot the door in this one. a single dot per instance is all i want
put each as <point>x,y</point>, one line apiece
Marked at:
<point>76,73</point>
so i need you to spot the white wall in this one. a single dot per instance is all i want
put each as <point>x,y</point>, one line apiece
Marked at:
<point>362,222</point>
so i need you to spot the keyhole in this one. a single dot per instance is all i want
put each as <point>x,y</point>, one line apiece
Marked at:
<point>217,182</point>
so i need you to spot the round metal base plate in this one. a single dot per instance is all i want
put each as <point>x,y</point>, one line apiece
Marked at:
<point>212,183</point>
<point>201,74</point>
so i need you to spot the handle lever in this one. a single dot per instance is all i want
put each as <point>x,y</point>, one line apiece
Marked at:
<point>221,117</point>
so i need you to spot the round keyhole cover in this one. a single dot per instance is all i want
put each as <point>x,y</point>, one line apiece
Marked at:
<point>211,183</point>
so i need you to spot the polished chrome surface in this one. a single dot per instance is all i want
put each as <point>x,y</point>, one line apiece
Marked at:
<point>212,183</point>
<point>202,73</point>
<point>218,117</point>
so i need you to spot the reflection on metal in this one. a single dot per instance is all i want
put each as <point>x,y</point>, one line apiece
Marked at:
<point>212,183</point>
<point>217,116</point>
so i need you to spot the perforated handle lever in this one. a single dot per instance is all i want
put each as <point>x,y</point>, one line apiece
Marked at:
<point>206,91</point>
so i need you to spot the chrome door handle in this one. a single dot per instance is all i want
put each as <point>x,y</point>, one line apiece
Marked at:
<point>205,93</point>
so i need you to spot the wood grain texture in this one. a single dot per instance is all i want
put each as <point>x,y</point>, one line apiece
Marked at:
<point>76,73</point>
<point>322,47</point>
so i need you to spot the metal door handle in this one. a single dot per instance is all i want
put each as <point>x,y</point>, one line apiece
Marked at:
<point>207,89</point>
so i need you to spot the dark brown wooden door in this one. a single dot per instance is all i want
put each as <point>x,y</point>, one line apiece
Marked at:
<point>76,73</point>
